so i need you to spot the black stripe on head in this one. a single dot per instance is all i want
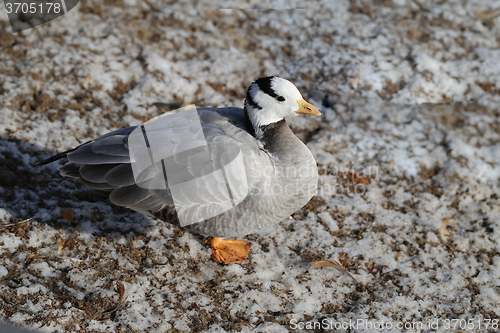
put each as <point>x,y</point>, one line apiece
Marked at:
<point>264,84</point>
<point>249,100</point>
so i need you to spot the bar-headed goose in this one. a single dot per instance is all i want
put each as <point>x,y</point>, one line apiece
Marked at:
<point>218,172</point>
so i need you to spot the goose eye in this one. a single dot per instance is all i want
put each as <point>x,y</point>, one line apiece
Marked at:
<point>280,98</point>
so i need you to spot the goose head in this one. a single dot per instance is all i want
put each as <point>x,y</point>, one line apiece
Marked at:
<point>271,99</point>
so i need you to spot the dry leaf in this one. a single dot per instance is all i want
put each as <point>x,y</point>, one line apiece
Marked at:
<point>32,257</point>
<point>69,242</point>
<point>355,178</point>
<point>66,244</point>
<point>121,291</point>
<point>442,231</point>
<point>61,245</point>
<point>355,82</point>
<point>67,214</point>
<point>86,81</point>
<point>332,263</point>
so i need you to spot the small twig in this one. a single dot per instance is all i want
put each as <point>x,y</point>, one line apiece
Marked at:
<point>122,301</point>
<point>15,223</point>
<point>422,7</point>
<point>487,14</point>
<point>153,7</point>
<point>332,263</point>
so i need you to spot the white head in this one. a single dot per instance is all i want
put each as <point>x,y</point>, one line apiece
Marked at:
<point>270,99</point>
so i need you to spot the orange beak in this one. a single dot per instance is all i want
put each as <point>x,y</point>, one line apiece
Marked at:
<point>307,108</point>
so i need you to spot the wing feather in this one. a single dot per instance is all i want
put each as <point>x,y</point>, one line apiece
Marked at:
<point>95,173</point>
<point>105,163</point>
<point>70,170</point>
<point>129,196</point>
<point>112,146</point>
<point>121,175</point>
<point>97,186</point>
<point>85,155</point>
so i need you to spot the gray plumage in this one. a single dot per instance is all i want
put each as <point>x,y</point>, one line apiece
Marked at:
<point>280,171</point>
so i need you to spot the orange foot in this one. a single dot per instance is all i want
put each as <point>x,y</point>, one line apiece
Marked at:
<point>228,251</point>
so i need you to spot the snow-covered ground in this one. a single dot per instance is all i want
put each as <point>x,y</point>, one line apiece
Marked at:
<point>411,91</point>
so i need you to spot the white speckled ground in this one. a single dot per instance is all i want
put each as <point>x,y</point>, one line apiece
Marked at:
<point>411,91</point>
